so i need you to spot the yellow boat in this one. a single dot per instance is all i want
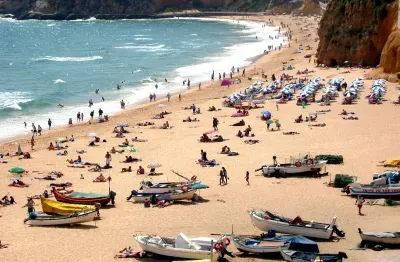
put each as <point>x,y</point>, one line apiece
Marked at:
<point>60,208</point>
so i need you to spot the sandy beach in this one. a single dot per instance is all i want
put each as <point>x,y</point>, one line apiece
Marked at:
<point>363,143</point>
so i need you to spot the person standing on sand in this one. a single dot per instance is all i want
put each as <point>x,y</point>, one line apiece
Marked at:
<point>247,177</point>
<point>194,109</point>
<point>25,124</point>
<point>221,177</point>
<point>32,142</point>
<point>30,205</point>
<point>39,130</point>
<point>108,160</point>
<point>168,96</point>
<point>81,116</point>
<point>34,131</point>
<point>180,98</point>
<point>277,106</point>
<point>219,76</point>
<point>151,97</point>
<point>244,72</point>
<point>199,85</point>
<point>100,112</point>
<point>78,117</point>
<point>92,114</point>
<point>49,123</point>
<point>215,123</point>
<point>154,97</point>
<point>359,201</point>
<point>225,175</point>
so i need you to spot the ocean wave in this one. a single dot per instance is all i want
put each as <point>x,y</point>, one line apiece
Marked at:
<point>51,25</point>
<point>59,81</point>
<point>146,80</point>
<point>142,48</point>
<point>137,71</point>
<point>143,38</point>
<point>69,59</point>
<point>194,34</point>
<point>12,100</point>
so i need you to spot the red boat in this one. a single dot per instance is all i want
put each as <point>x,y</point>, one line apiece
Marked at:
<point>82,198</point>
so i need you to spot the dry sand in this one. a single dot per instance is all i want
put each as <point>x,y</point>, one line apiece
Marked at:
<point>363,144</point>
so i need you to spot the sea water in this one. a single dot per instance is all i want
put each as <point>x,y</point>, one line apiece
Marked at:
<point>46,63</point>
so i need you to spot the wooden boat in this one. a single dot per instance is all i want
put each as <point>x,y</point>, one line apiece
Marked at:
<point>299,256</point>
<point>82,217</point>
<point>265,221</point>
<point>297,165</point>
<point>82,198</point>
<point>60,208</point>
<point>386,238</point>
<point>180,247</point>
<point>387,190</point>
<point>175,195</point>
<point>257,245</point>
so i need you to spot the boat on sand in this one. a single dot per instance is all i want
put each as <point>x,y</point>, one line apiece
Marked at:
<point>179,247</point>
<point>385,238</point>
<point>299,256</point>
<point>372,190</point>
<point>75,218</point>
<point>60,208</point>
<point>265,220</point>
<point>82,198</point>
<point>163,187</point>
<point>175,195</point>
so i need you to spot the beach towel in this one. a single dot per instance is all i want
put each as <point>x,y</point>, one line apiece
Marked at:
<point>131,149</point>
<point>238,115</point>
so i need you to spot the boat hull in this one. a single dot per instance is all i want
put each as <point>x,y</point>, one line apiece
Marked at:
<point>369,237</point>
<point>168,197</point>
<point>60,208</point>
<point>176,252</point>
<point>84,201</point>
<point>68,220</point>
<point>382,191</point>
<point>274,247</point>
<point>268,224</point>
<point>292,169</point>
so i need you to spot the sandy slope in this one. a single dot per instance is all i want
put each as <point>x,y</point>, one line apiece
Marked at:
<point>363,144</point>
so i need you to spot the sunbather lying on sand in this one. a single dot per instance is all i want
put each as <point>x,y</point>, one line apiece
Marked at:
<point>62,153</point>
<point>136,139</point>
<point>240,123</point>
<point>225,150</point>
<point>207,163</point>
<point>146,124</point>
<point>80,151</point>
<point>96,168</point>
<point>251,141</point>
<point>92,143</point>
<point>324,111</point>
<point>130,159</point>
<point>345,113</point>
<point>129,169</point>
<point>153,172</point>
<point>350,118</point>
<point>291,133</point>
<point>45,178</point>
<point>299,119</point>
<point>100,178</point>
<point>128,253</point>
<point>114,151</point>
<point>190,120</point>
<point>212,108</point>
<point>67,184</point>
<point>319,124</point>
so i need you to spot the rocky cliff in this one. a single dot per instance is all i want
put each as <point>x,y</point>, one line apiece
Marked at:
<point>355,31</point>
<point>309,7</point>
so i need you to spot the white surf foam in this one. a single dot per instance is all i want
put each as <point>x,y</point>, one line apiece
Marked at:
<point>143,38</point>
<point>143,47</point>
<point>59,81</point>
<point>69,59</point>
<point>13,99</point>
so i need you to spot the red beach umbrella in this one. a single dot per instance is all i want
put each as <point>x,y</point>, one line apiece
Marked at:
<point>226,82</point>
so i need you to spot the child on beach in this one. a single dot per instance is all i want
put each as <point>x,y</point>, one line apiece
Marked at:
<point>247,177</point>
<point>360,200</point>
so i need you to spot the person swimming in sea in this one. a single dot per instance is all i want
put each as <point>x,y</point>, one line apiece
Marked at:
<point>60,105</point>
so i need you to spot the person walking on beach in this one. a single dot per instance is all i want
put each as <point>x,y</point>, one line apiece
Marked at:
<point>49,123</point>
<point>100,112</point>
<point>199,85</point>
<point>32,142</point>
<point>225,175</point>
<point>215,123</point>
<point>108,160</point>
<point>91,114</point>
<point>30,205</point>
<point>247,177</point>
<point>39,130</point>
<point>194,109</point>
<point>34,131</point>
<point>154,97</point>
<point>81,116</point>
<point>78,117</point>
<point>180,98</point>
<point>212,76</point>
<point>219,76</point>
<point>244,72</point>
<point>151,97</point>
<point>221,177</point>
<point>188,83</point>
<point>168,96</point>
<point>25,124</point>
<point>223,75</point>
<point>359,201</point>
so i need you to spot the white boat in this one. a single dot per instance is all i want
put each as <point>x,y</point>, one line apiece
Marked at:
<point>387,190</point>
<point>175,195</point>
<point>298,256</point>
<point>149,187</point>
<point>61,220</point>
<point>387,238</point>
<point>296,165</point>
<point>256,245</point>
<point>180,247</point>
<point>265,221</point>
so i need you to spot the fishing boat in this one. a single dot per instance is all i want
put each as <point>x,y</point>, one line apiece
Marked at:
<point>266,245</point>
<point>299,256</point>
<point>175,195</point>
<point>76,218</point>
<point>385,238</point>
<point>373,190</point>
<point>265,220</point>
<point>296,166</point>
<point>60,208</point>
<point>164,187</point>
<point>82,198</point>
<point>180,247</point>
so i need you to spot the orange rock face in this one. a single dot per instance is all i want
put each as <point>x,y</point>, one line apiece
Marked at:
<point>390,59</point>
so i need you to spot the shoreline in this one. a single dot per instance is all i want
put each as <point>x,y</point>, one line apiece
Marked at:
<point>143,102</point>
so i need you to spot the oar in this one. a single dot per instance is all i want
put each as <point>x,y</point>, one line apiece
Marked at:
<point>176,173</point>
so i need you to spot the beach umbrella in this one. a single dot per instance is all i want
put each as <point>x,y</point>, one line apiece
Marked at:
<point>123,125</point>
<point>226,82</point>
<point>92,134</point>
<point>267,113</point>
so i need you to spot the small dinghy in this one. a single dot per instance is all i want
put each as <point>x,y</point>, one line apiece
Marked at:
<point>180,247</point>
<point>299,256</point>
<point>175,195</point>
<point>384,238</point>
<point>75,218</point>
